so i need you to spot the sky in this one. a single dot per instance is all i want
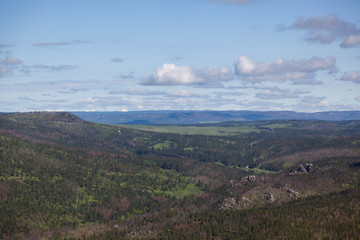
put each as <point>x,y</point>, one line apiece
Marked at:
<point>137,55</point>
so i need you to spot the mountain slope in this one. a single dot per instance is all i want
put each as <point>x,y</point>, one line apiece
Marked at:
<point>61,176</point>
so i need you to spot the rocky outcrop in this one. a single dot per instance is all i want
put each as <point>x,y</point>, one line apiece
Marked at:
<point>270,197</point>
<point>258,190</point>
<point>230,203</point>
<point>248,179</point>
<point>251,179</point>
<point>309,167</point>
<point>292,193</point>
<point>302,169</point>
<point>233,183</point>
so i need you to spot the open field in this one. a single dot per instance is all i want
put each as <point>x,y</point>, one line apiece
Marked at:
<point>196,130</point>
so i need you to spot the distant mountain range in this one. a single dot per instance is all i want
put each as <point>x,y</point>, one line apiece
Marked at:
<point>196,117</point>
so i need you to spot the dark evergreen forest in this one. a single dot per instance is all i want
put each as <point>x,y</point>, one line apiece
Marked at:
<point>65,178</point>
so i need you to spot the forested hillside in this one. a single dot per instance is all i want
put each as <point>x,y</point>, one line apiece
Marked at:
<point>62,177</point>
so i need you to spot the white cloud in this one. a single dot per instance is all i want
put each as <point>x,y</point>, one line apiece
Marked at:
<point>351,41</point>
<point>226,95</point>
<point>325,103</point>
<point>353,77</point>
<point>298,71</point>
<point>306,81</point>
<point>136,103</point>
<point>317,104</point>
<point>12,64</point>
<point>10,61</point>
<point>180,93</point>
<point>215,74</point>
<point>328,29</point>
<point>171,75</point>
<point>245,65</point>
<point>3,71</point>
<point>260,105</point>
<point>8,64</point>
<point>313,104</point>
<point>176,75</point>
<point>185,94</point>
<point>73,90</point>
<point>311,100</point>
<point>139,92</point>
<point>278,93</point>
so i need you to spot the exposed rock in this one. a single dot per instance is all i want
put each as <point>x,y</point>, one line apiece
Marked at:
<point>232,183</point>
<point>230,203</point>
<point>302,169</point>
<point>292,193</point>
<point>263,179</point>
<point>246,199</point>
<point>270,197</point>
<point>249,179</point>
<point>309,167</point>
<point>139,234</point>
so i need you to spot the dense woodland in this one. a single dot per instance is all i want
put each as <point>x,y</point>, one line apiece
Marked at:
<point>65,178</point>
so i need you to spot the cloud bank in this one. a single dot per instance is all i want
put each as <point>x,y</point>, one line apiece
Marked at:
<point>328,29</point>
<point>172,75</point>
<point>353,77</point>
<point>8,64</point>
<point>278,93</point>
<point>298,71</point>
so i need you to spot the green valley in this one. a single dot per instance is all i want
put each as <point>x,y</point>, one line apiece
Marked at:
<point>65,178</point>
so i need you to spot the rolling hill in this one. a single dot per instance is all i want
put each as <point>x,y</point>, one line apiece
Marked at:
<point>62,177</point>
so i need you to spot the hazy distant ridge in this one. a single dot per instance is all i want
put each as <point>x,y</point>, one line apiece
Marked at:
<point>193,117</point>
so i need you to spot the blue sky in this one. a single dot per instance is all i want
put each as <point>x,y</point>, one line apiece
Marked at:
<point>136,55</point>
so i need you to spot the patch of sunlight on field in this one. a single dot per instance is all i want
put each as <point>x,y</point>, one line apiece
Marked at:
<point>190,189</point>
<point>195,130</point>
